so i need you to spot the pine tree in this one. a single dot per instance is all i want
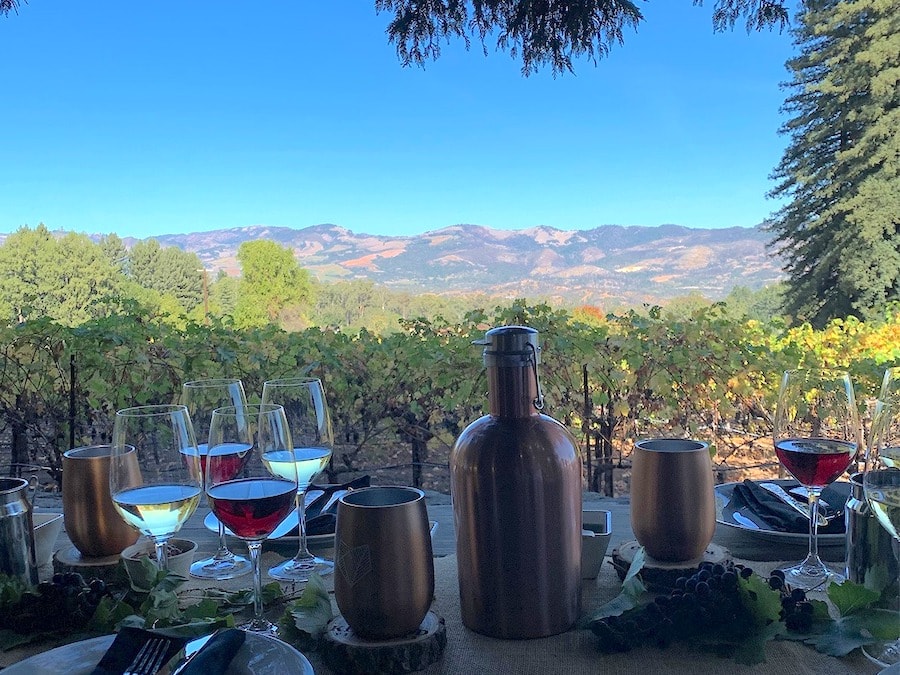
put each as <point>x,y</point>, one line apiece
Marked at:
<point>840,229</point>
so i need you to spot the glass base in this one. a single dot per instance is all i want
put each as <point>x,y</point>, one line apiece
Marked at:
<point>811,575</point>
<point>299,569</point>
<point>261,627</point>
<point>221,568</point>
<point>883,654</point>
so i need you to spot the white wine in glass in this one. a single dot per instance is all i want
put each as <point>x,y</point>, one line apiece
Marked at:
<point>306,409</point>
<point>881,485</point>
<point>158,500</point>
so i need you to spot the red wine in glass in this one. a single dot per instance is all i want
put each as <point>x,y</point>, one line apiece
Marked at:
<point>230,459</point>
<point>252,507</point>
<point>815,462</point>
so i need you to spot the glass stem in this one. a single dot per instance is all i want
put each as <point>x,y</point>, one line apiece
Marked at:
<point>813,500</point>
<point>223,551</point>
<point>301,524</point>
<point>255,548</point>
<point>162,554</point>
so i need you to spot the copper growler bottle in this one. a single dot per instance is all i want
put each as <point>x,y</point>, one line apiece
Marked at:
<point>515,482</point>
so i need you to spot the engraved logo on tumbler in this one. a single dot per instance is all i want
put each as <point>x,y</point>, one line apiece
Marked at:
<point>355,563</point>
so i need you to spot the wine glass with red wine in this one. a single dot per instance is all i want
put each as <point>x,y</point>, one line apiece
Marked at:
<point>202,397</point>
<point>253,500</point>
<point>817,435</point>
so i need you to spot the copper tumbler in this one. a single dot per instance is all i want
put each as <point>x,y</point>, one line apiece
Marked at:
<point>92,522</point>
<point>384,579</point>
<point>673,509</point>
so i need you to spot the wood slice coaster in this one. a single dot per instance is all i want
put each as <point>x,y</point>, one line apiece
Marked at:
<point>661,576</point>
<point>70,559</point>
<point>348,654</point>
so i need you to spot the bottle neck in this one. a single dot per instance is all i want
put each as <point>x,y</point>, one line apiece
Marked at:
<point>512,391</point>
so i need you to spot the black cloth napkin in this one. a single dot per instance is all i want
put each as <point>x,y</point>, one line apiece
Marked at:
<point>216,654</point>
<point>769,509</point>
<point>127,644</point>
<point>320,522</point>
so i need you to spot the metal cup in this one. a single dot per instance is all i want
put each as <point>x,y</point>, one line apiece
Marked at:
<point>16,532</point>
<point>384,579</point>
<point>870,547</point>
<point>92,522</point>
<point>673,508</point>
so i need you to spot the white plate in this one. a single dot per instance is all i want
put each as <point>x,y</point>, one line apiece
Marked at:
<point>320,540</point>
<point>259,655</point>
<point>725,517</point>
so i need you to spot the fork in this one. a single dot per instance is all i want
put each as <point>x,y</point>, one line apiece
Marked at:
<point>782,494</point>
<point>150,657</point>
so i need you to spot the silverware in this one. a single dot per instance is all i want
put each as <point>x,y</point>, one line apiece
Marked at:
<point>149,658</point>
<point>744,521</point>
<point>798,506</point>
<point>191,649</point>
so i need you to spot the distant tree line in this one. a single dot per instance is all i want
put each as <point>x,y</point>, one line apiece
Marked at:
<point>71,280</point>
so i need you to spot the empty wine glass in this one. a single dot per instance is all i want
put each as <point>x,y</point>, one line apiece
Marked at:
<point>307,413</point>
<point>158,499</point>
<point>881,485</point>
<point>253,500</point>
<point>817,435</point>
<point>202,397</point>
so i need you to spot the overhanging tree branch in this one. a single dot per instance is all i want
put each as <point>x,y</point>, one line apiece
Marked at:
<point>541,32</point>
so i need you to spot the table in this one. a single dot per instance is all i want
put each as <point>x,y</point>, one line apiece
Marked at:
<point>572,652</point>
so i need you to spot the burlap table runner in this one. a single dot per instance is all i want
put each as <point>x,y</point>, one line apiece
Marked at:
<point>571,653</point>
<point>574,652</point>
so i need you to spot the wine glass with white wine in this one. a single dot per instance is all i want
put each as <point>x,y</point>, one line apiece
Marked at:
<point>159,498</point>
<point>881,485</point>
<point>303,399</point>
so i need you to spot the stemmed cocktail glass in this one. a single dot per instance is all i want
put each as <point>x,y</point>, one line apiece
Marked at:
<point>817,435</point>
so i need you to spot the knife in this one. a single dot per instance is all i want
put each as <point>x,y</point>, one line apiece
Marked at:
<point>191,649</point>
<point>798,506</point>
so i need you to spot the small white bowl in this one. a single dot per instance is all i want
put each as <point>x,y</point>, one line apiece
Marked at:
<point>47,527</point>
<point>179,564</point>
<point>596,529</point>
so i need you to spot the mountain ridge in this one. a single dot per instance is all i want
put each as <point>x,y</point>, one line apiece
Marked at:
<point>609,263</point>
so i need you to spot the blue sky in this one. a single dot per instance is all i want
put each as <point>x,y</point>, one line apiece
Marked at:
<point>144,118</point>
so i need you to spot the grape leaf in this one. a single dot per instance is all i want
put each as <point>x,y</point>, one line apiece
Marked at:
<point>842,636</point>
<point>633,592</point>
<point>752,649</point>
<point>849,597</point>
<point>763,603</point>
<point>306,618</point>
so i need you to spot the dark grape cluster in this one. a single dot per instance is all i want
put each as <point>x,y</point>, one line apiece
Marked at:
<point>66,602</point>
<point>796,609</point>
<point>708,598</point>
<point>707,601</point>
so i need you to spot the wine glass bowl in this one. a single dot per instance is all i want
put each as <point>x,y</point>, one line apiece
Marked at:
<point>253,499</point>
<point>165,492</point>
<point>202,397</point>
<point>816,436</point>
<point>306,410</point>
